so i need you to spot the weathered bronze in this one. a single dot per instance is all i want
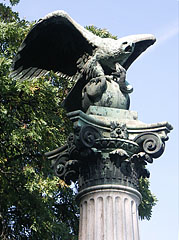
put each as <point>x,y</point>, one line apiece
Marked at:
<point>98,65</point>
<point>109,146</point>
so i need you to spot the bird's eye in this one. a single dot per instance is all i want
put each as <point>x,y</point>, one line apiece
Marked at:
<point>124,42</point>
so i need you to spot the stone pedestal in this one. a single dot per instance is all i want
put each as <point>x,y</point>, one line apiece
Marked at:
<point>109,212</point>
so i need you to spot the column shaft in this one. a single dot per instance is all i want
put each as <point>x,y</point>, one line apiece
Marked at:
<point>109,213</point>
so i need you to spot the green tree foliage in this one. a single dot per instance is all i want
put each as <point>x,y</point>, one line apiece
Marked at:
<point>33,203</point>
<point>101,32</point>
<point>14,2</point>
<point>148,199</point>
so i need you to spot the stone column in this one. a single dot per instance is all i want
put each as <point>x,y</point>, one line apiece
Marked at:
<point>109,212</point>
<point>107,154</point>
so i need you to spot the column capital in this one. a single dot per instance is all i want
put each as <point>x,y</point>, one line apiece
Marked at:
<point>108,146</point>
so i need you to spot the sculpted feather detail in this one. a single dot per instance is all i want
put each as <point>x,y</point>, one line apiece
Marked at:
<point>58,43</point>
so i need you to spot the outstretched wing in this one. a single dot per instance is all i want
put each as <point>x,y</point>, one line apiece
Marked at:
<point>55,43</point>
<point>142,42</point>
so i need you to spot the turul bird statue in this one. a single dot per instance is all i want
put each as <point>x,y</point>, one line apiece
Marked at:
<point>97,65</point>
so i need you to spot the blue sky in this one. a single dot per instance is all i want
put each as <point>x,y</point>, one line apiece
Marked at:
<point>154,77</point>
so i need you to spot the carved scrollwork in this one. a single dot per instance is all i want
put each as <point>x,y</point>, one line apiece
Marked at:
<point>66,169</point>
<point>151,144</point>
<point>60,164</point>
<point>68,158</point>
<point>117,156</point>
<point>88,136</point>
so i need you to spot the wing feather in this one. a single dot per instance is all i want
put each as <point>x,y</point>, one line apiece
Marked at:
<point>55,43</point>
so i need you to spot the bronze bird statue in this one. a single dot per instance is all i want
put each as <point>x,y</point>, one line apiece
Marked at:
<point>97,65</point>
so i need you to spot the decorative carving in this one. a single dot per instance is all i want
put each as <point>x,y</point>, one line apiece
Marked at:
<point>139,161</point>
<point>87,145</point>
<point>60,164</point>
<point>105,171</point>
<point>103,152</point>
<point>117,143</point>
<point>118,130</point>
<point>72,156</point>
<point>150,143</point>
<point>121,160</point>
<point>119,153</point>
<point>88,136</point>
<point>65,168</point>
